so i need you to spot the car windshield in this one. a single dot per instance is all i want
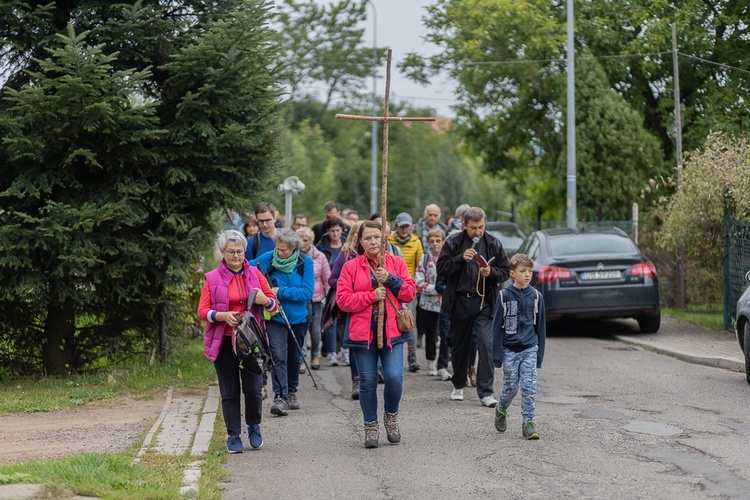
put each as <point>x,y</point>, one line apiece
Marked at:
<point>575,244</point>
<point>507,237</point>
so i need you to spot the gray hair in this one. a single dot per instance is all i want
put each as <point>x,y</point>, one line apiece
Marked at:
<point>461,209</point>
<point>289,237</point>
<point>473,214</point>
<point>231,235</point>
<point>306,232</point>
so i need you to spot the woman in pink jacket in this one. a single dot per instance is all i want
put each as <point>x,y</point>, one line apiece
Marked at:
<point>363,282</point>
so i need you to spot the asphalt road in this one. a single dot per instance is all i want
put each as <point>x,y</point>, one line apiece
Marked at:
<point>615,420</point>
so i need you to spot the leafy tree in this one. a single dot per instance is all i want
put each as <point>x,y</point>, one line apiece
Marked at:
<point>324,45</point>
<point>119,147</point>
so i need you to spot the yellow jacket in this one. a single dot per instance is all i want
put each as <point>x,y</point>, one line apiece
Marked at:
<point>412,250</point>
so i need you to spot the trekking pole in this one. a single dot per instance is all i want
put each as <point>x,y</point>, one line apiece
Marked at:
<point>299,347</point>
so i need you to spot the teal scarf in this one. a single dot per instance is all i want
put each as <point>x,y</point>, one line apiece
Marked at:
<point>285,265</point>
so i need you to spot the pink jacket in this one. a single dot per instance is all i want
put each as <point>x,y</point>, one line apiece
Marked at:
<point>355,295</point>
<point>322,272</point>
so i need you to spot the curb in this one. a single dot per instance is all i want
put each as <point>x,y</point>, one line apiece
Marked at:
<point>714,361</point>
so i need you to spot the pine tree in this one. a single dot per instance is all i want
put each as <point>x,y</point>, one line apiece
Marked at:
<point>119,147</point>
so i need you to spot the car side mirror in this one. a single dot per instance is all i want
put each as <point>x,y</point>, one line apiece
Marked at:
<point>747,276</point>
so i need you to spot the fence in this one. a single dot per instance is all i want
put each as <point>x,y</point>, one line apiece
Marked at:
<point>736,264</point>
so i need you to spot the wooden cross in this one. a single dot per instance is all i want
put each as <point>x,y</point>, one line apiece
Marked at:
<point>385,119</point>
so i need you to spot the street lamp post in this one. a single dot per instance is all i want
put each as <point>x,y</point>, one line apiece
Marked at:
<point>374,133</point>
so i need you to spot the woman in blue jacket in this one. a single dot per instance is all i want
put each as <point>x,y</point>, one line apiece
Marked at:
<point>292,277</point>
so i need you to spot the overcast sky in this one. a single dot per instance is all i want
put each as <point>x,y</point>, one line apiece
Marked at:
<point>400,29</point>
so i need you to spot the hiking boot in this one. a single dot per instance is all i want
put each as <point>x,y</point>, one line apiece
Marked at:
<point>279,408</point>
<point>355,388</point>
<point>293,401</point>
<point>444,375</point>
<point>472,376</point>
<point>528,430</point>
<point>390,421</point>
<point>500,419</point>
<point>489,401</point>
<point>234,444</point>
<point>457,394</point>
<point>333,359</point>
<point>413,365</point>
<point>372,434</point>
<point>253,433</point>
<point>432,368</point>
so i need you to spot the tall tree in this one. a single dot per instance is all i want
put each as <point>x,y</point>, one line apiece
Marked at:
<point>119,146</point>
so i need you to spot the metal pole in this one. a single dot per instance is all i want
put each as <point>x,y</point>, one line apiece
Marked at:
<point>680,278</point>
<point>571,124</point>
<point>374,132</point>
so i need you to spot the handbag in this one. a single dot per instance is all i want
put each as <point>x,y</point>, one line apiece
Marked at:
<point>404,317</point>
<point>331,311</point>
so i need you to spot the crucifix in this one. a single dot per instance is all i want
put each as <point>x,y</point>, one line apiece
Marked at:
<point>385,119</point>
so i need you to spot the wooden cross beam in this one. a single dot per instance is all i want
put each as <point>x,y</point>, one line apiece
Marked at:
<point>385,119</point>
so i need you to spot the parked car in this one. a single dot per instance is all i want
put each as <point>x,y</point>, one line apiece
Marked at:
<point>742,326</point>
<point>509,234</point>
<point>594,273</point>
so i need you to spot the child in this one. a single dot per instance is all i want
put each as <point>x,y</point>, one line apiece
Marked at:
<point>519,333</point>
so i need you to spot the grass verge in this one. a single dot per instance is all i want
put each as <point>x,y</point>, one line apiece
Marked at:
<point>189,369</point>
<point>705,315</point>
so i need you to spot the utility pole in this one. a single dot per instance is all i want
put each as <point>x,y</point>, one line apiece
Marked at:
<point>571,125</point>
<point>680,289</point>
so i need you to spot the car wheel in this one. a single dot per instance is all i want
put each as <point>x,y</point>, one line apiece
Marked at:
<point>746,344</point>
<point>649,324</point>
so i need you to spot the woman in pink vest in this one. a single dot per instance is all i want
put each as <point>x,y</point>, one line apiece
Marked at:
<point>364,282</point>
<point>223,297</point>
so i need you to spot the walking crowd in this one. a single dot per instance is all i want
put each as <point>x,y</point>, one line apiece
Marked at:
<point>346,289</point>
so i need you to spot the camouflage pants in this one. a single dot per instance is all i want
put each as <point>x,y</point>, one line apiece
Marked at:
<point>519,369</point>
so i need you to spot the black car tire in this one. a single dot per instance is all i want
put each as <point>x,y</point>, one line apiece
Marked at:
<point>746,344</point>
<point>649,324</point>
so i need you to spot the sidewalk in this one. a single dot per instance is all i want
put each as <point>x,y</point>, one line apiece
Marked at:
<point>692,343</point>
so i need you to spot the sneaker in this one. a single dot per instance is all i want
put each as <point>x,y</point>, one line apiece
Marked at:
<point>500,419</point>
<point>372,434</point>
<point>234,444</point>
<point>279,408</point>
<point>315,364</point>
<point>472,376</point>
<point>457,394</point>
<point>333,359</point>
<point>444,375</point>
<point>345,356</point>
<point>432,368</point>
<point>293,401</point>
<point>355,388</point>
<point>489,401</point>
<point>302,370</point>
<point>253,433</point>
<point>390,421</point>
<point>528,430</point>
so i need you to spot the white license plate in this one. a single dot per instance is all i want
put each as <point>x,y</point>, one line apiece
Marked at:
<point>600,275</point>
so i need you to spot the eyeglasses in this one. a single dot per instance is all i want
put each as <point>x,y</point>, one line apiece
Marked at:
<point>234,253</point>
<point>264,221</point>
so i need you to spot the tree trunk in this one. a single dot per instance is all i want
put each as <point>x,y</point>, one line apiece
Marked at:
<point>58,350</point>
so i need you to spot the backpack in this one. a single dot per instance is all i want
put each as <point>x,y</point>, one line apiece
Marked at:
<point>504,299</point>
<point>250,344</point>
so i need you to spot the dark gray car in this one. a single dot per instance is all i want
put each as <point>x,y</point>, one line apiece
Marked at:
<point>596,273</point>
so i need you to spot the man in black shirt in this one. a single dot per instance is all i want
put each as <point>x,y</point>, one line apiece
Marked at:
<point>475,266</point>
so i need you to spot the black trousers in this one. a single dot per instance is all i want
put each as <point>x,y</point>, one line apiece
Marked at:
<point>471,315</point>
<point>427,324</point>
<point>232,382</point>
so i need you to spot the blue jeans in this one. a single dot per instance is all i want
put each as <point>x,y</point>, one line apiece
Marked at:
<point>286,356</point>
<point>393,372</point>
<point>519,368</point>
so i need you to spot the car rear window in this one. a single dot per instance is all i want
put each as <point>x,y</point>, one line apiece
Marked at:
<point>575,244</point>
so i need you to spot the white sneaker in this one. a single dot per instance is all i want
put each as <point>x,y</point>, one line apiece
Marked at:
<point>333,359</point>
<point>457,394</point>
<point>444,375</point>
<point>345,356</point>
<point>432,368</point>
<point>489,401</point>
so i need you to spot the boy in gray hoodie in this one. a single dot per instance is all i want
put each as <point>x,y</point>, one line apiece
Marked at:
<point>519,334</point>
